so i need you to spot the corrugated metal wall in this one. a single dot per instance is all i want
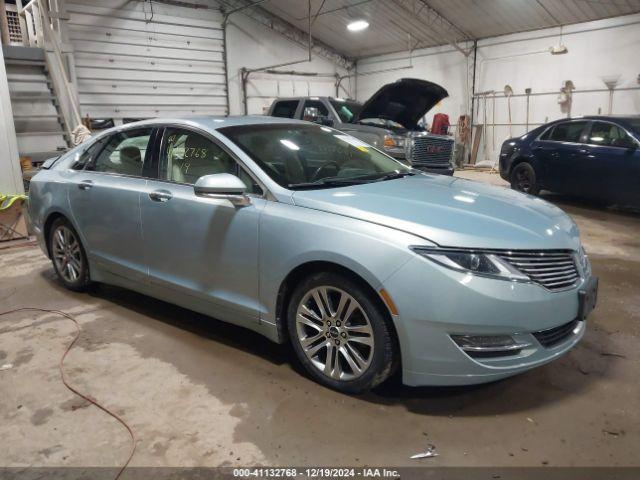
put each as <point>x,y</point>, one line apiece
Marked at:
<point>139,59</point>
<point>263,89</point>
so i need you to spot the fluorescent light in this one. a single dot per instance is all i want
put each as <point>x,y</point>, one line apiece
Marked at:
<point>289,144</point>
<point>357,25</point>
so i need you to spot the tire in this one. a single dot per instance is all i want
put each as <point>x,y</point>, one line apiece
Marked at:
<point>68,256</point>
<point>524,179</point>
<point>349,346</point>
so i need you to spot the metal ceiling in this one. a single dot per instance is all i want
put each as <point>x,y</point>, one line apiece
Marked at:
<point>397,25</point>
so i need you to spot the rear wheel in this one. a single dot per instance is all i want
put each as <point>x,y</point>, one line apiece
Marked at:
<point>340,334</point>
<point>68,256</point>
<point>523,179</point>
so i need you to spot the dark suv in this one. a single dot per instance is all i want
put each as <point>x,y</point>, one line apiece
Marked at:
<point>596,157</point>
<point>388,121</point>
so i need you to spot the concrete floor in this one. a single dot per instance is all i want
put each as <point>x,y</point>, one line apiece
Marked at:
<point>200,392</point>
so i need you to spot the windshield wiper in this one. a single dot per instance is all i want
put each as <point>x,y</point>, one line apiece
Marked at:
<point>329,182</point>
<point>393,176</point>
<point>343,181</point>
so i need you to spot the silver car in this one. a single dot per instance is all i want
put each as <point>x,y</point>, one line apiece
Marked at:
<point>310,236</point>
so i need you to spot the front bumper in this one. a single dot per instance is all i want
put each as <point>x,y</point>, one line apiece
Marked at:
<point>434,303</point>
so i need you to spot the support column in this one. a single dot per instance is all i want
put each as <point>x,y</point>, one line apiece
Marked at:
<point>10,171</point>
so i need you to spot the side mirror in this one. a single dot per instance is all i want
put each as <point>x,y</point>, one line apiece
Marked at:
<point>310,114</point>
<point>222,186</point>
<point>326,121</point>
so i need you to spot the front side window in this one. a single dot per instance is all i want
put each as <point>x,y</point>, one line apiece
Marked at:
<point>609,135</point>
<point>89,154</point>
<point>285,109</point>
<point>313,110</point>
<point>547,134</point>
<point>123,153</point>
<point>568,132</point>
<point>309,156</point>
<point>186,156</point>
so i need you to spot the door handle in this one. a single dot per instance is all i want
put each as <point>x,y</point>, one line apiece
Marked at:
<point>160,195</point>
<point>85,184</point>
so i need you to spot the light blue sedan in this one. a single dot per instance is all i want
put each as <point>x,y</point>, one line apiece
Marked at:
<point>310,236</point>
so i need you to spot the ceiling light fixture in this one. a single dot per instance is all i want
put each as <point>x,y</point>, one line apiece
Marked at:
<point>357,25</point>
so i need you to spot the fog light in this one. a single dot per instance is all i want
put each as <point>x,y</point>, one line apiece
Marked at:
<point>486,346</point>
<point>483,342</point>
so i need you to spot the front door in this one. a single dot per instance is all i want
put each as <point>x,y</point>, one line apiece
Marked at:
<point>105,202</point>
<point>564,154</point>
<point>203,250</point>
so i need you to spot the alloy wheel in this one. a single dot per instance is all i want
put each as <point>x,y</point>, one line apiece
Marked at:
<point>334,333</point>
<point>67,254</point>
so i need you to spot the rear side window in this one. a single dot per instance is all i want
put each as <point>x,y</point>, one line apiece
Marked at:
<point>123,153</point>
<point>609,135</point>
<point>285,109</point>
<point>568,132</point>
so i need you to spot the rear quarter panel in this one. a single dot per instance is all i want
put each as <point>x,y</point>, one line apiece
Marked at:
<point>47,195</point>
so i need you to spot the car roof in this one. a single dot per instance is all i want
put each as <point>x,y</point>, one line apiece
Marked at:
<point>213,122</point>
<point>598,117</point>
<point>612,117</point>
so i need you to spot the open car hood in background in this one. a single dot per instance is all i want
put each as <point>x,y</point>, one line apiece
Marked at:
<point>404,101</point>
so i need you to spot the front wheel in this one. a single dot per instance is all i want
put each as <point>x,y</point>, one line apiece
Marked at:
<point>68,256</point>
<point>339,333</point>
<point>523,179</point>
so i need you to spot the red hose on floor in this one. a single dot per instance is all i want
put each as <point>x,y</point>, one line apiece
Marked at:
<point>75,390</point>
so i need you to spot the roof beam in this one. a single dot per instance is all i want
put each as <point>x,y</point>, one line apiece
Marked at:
<point>252,10</point>
<point>437,23</point>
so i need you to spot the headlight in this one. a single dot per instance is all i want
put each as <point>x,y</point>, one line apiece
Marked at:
<point>393,142</point>
<point>583,260</point>
<point>471,261</point>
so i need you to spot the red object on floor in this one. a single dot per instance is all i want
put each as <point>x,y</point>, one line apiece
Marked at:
<point>440,124</point>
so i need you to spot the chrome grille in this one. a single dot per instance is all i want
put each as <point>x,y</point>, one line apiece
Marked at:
<point>431,151</point>
<point>553,269</point>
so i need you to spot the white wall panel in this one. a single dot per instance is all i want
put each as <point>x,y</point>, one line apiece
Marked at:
<point>251,45</point>
<point>132,62</point>
<point>442,65</point>
<point>597,50</point>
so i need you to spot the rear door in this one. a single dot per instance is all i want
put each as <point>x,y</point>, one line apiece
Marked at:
<point>105,202</point>
<point>613,163</point>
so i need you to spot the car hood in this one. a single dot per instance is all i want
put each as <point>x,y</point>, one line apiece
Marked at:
<point>451,212</point>
<point>404,101</point>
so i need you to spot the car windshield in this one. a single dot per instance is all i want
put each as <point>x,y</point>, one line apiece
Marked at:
<point>346,109</point>
<point>311,156</point>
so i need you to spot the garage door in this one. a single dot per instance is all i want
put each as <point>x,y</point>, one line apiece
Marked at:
<point>140,59</point>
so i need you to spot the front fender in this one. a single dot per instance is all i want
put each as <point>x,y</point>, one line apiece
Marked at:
<point>291,236</point>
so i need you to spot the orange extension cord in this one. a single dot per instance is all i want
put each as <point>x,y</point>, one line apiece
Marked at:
<point>75,390</point>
